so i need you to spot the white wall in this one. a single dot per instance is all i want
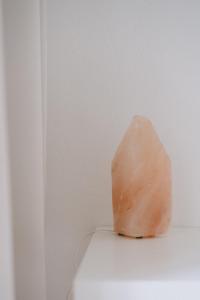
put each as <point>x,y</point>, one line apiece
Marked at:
<point>6,245</point>
<point>24,111</point>
<point>107,61</point>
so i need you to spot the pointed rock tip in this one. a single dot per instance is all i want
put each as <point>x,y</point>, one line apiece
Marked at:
<point>140,120</point>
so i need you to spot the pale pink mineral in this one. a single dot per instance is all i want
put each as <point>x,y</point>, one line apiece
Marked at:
<point>141,183</point>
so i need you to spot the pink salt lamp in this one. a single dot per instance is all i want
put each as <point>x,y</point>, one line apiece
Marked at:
<point>141,183</point>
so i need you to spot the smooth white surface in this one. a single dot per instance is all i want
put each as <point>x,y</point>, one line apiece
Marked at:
<point>6,243</point>
<point>24,112</point>
<point>119,268</point>
<point>107,61</point>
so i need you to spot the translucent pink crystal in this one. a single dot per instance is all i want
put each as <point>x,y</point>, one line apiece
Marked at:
<point>141,183</point>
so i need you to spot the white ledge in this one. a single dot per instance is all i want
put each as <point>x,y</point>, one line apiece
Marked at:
<point>119,268</point>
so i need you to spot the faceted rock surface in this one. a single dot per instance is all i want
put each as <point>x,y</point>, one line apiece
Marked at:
<point>141,182</point>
